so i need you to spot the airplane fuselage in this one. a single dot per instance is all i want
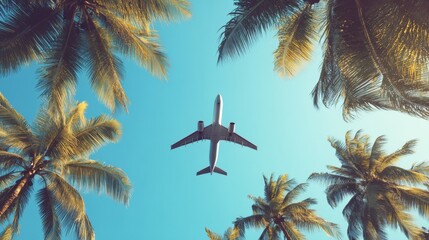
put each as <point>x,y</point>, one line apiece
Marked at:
<point>214,141</point>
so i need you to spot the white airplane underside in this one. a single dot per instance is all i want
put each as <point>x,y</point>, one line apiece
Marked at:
<point>215,132</point>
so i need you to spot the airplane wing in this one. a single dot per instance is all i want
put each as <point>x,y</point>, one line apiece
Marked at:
<point>193,137</point>
<point>235,138</point>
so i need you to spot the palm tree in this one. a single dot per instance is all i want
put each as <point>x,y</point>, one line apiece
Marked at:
<point>230,234</point>
<point>375,52</point>
<point>277,212</point>
<point>56,152</point>
<point>381,193</point>
<point>69,35</point>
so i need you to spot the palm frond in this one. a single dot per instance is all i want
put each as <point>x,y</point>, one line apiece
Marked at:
<point>403,176</point>
<point>250,18</point>
<point>414,198</point>
<point>296,35</point>
<point>7,179</point>
<point>138,44</point>
<point>62,64</point>
<point>105,69</point>
<point>406,149</point>
<point>253,221</point>
<point>91,175</point>
<point>96,132</point>
<point>7,233</point>
<point>18,132</point>
<point>335,193</point>
<point>50,221</point>
<point>70,207</point>
<point>293,193</point>
<point>10,161</point>
<point>24,35</point>
<point>212,235</point>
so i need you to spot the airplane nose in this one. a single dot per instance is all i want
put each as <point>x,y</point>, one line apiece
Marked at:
<point>218,98</point>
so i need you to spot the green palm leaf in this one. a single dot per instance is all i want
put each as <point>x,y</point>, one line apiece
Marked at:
<point>7,233</point>
<point>63,62</point>
<point>105,69</point>
<point>96,132</point>
<point>138,44</point>
<point>296,35</point>
<point>51,223</point>
<point>250,18</point>
<point>89,174</point>
<point>25,33</point>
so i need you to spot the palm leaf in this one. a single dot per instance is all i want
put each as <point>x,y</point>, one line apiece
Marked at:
<point>7,233</point>
<point>292,194</point>
<point>7,179</point>
<point>212,235</point>
<point>138,44</point>
<point>250,18</point>
<point>403,176</point>
<point>105,69</point>
<point>89,174</point>
<point>62,63</point>
<point>95,133</point>
<point>24,35</point>
<point>10,161</point>
<point>296,35</point>
<point>70,207</point>
<point>50,221</point>
<point>254,221</point>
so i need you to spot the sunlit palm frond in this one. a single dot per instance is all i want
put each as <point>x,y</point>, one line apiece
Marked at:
<point>414,198</point>
<point>335,193</point>
<point>10,161</point>
<point>91,175</point>
<point>249,19</point>
<point>253,221</point>
<point>7,233</point>
<point>140,12</point>
<point>403,176</point>
<point>24,35</point>
<point>105,69</point>
<point>212,235</point>
<point>62,64</point>
<point>292,231</point>
<point>70,207</point>
<point>135,43</point>
<point>7,179</point>
<point>296,35</point>
<point>390,159</point>
<point>50,221</point>
<point>19,135</point>
<point>396,216</point>
<point>310,221</point>
<point>95,133</point>
<point>293,193</point>
<point>330,179</point>
<point>330,85</point>
<point>422,167</point>
<point>76,117</point>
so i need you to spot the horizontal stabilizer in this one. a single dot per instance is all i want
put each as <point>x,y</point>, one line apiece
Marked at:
<point>204,171</point>
<point>220,171</point>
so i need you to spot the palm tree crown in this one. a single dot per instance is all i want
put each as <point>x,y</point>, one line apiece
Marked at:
<point>381,192</point>
<point>375,52</point>
<point>230,234</point>
<point>70,35</point>
<point>278,214</point>
<point>56,152</point>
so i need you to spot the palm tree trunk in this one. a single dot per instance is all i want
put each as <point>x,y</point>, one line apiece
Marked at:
<point>16,190</point>
<point>282,227</point>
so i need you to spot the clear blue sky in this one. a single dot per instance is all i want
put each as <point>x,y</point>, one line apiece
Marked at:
<point>169,201</point>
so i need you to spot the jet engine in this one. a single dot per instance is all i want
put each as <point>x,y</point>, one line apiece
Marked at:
<point>231,128</point>
<point>200,126</point>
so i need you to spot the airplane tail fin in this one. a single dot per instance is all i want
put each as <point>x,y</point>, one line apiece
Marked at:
<point>207,170</point>
<point>204,171</point>
<point>220,171</point>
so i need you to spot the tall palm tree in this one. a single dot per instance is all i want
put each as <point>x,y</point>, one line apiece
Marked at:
<point>69,35</point>
<point>381,193</point>
<point>278,214</point>
<point>375,52</point>
<point>230,234</point>
<point>56,152</point>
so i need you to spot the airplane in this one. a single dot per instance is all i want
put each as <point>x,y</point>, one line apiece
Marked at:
<point>215,132</point>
